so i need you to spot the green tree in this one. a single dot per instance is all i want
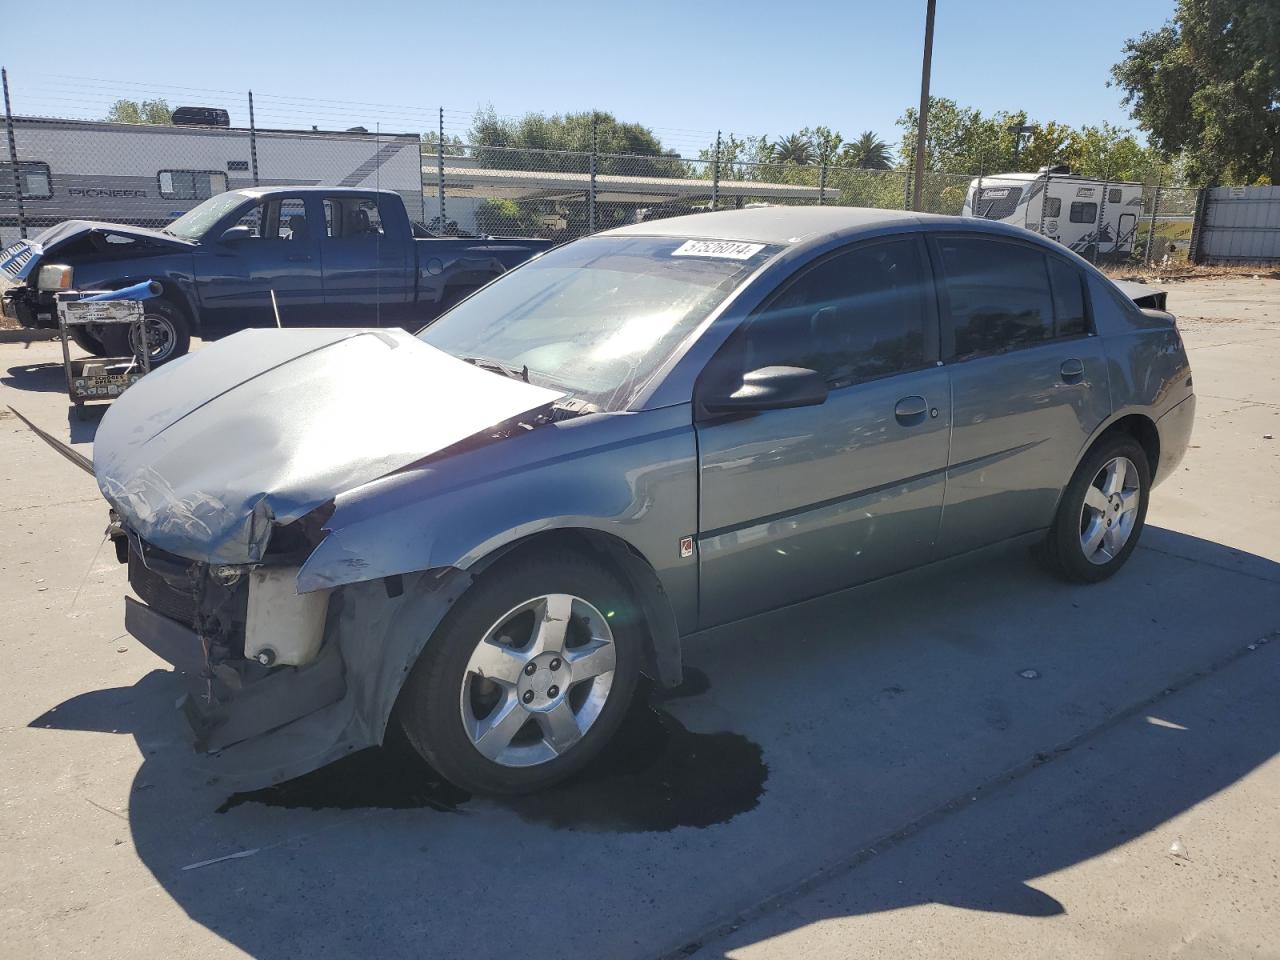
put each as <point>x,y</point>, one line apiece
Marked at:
<point>148,111</point>
<point>453,145</point>
<point>868,152</point>
<point>562,142</point>
<point>1207,85</point>
<point>794,148</point>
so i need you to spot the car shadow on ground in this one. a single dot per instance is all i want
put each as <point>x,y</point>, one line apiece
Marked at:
<point>376,850</point>
<point>41,377</point>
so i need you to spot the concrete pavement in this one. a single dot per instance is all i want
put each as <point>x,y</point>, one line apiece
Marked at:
<point>819,756</point>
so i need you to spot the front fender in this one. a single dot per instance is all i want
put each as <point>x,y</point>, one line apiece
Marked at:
<point>632,476</point>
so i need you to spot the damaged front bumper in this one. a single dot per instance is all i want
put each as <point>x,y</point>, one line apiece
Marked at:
<point>256,720</point>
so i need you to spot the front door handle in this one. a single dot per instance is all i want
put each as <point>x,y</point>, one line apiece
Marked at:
<point>1072,370</point>
<point>911,410</point>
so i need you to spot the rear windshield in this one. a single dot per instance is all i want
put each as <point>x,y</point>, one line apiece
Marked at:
<point>597,317</point>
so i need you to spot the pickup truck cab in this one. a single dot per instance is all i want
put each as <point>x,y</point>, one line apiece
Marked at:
<point>332,256</point>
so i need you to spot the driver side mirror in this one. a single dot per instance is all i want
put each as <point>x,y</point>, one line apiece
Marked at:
<point>772,388</point>
<point>236,233</point>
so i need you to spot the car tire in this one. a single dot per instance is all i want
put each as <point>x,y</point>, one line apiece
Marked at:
<point>168,329</point>
<point>1102,512</point>
<point>494,705</point>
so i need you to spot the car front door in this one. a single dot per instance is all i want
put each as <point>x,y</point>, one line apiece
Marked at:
<point>367,276</point>
<point>276,251</point>
<point>798,502</point>
<point>1028,384</point>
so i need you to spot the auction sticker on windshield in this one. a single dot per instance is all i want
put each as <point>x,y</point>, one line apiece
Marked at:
<point>725,249</point>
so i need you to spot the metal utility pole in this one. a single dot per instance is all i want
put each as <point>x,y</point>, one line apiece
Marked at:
<point>922,126</point>
<point>715,176</point>
<point>591,197</point>
<point>253,141</point>
<point>440,170</point>
<point>13,157</point>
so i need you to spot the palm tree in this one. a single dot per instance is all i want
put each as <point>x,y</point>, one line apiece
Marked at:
<point>795,149</point>
<point>868,152</point>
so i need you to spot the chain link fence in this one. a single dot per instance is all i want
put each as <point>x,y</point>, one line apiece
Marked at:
<point>78,166</point>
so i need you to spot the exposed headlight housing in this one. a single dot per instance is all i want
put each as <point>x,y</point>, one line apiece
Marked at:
<point>53,277</point>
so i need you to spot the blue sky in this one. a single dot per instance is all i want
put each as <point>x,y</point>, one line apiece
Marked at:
<point>684,69</point>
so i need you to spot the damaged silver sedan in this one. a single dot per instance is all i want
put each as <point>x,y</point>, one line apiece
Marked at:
<point>488,532</point>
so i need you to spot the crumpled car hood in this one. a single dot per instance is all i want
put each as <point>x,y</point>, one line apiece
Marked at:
<point>60,234</point>
<point>203,455</point>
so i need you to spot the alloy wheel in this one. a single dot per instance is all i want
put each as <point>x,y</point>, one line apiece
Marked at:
<point>538,680</point>
<point>161,338</point>
<point>1110,510</point>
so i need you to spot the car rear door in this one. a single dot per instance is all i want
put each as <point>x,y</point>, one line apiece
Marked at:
<point>1028,384</point>
<point>368,278</point>
<point>798,502</point>
<point>281,254</point>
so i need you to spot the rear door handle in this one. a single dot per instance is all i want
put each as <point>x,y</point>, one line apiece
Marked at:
<point>911,410</point>
<point>1072,370</point>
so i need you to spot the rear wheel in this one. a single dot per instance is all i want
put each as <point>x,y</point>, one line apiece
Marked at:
<point>1102,512</point>
<point>527,678</point>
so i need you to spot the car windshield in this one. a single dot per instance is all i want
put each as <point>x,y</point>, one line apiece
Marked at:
<point>195,223</point>
<point>597,317</point>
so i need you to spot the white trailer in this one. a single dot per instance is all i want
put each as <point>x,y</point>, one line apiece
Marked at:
<point>1092,217</point>
<point>147,174</point>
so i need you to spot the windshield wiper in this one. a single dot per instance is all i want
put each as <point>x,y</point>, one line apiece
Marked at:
<point>497,366</point>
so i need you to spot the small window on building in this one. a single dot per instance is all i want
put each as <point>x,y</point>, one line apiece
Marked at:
<point>34,180</point>
<point>1113,195</point>
<point>1052,208</point>
<point>1082,212</point>
<point>191,184</point>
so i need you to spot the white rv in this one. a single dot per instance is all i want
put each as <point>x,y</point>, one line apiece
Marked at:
<point>147,175</point>
<point>1092,217</point>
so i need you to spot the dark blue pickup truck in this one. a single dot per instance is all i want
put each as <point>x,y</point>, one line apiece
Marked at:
<point>332,256</point>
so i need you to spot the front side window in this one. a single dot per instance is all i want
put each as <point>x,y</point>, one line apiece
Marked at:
<point>855,316</point>
<point>191,184</point>
<point>34,180</point>
<point>287,220</point>
<point>998,294</point>
<point>1084,212</point>
<point>598,317</point>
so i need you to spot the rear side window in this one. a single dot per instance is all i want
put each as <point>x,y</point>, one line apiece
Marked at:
<point>998,293</point>
<point>1082,212</point>
<point>855,316</point>
<point>1069,318</point>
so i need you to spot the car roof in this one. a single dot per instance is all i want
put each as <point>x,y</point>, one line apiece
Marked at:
<point>305,188</point>
<point>775,225</point>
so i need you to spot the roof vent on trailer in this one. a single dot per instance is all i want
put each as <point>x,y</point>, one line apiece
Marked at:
<point>1056,168</point>
<point>201,117</point>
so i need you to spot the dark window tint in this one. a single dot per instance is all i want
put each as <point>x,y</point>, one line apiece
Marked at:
<point>856,316</point>
<point>1113,196</point>
<point>33,180</point>
<point>1052,207</point>
<point>1082,212</point>
<point>998,294</point>
<point>1068,299</point>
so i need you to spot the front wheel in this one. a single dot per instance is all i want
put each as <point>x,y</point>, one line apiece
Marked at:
<point>528,676</point>
<point>1102,512</point>
<point>168,334</point>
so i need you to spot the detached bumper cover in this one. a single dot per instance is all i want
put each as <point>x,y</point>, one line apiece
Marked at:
<point>261,726</point>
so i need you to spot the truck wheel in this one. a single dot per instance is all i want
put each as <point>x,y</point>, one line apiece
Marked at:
<point>528,676</point>
<point>168,333</point>
<point>87,341</point>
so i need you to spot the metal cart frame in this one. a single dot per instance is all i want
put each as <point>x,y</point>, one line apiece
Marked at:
<point>100,378</point>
